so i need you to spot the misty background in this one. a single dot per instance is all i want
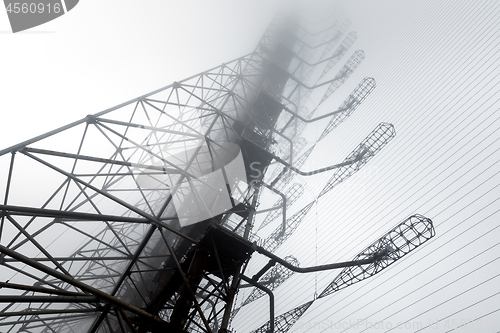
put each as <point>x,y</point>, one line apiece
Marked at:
<point>436,68</point>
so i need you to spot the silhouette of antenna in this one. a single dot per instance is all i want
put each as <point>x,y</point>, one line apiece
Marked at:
<point>142,217</point>
<point>398,242</point>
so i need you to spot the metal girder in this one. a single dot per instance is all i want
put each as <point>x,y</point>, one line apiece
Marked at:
<point>395,244</point>
<point>291,195</point>
<point>98,294</point>
<point>118,174</point>
<point>370,146</point>
<point>284,321</point>
<point>273,279</point>
<point>398,242</point>
<point>48,299</point>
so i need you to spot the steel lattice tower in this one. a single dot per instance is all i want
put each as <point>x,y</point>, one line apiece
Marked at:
<point>152,205</point>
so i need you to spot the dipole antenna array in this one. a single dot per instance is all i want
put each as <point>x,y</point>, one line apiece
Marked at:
<point>143,217</point>
<point>394,245</point>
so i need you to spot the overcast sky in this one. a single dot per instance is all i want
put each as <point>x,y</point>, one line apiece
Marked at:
<point>436,67</point>
<point>103,53</point>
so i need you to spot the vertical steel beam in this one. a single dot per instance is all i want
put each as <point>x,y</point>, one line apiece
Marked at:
<point>7,190</point>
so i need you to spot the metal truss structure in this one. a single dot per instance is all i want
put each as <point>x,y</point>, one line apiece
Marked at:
<point>273,279</point>
<point>395,244</point>
<point>140,218</point>
<point>280,206</point>
<point>285,321</point>
<point>372,144</point>
<point>350,104</point>
<point>404,238</point>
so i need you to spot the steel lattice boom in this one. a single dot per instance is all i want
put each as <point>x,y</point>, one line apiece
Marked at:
<point>142,217</point>
<point>273,279</point>
<point>350,104</point>
<point>371,145</point>
<point>401,240</point>
<point>404,238</point>
<point>285,321</point>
